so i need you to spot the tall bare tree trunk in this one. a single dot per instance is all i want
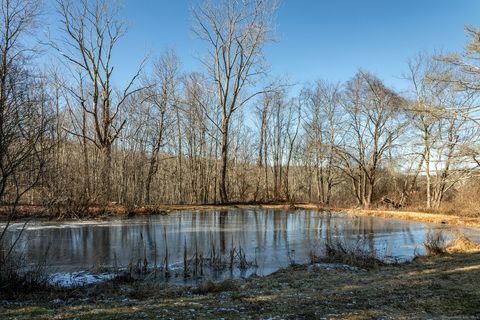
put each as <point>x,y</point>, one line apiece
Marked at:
<point>224,163</point>
<point>106,174</point>
<point>428,178</point>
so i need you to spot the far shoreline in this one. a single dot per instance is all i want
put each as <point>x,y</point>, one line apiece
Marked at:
<point>114,211</point>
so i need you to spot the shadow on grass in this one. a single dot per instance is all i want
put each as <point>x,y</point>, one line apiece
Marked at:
<point>430,287</point>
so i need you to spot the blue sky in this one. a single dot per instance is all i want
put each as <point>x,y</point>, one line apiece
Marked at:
<point>317,39</point>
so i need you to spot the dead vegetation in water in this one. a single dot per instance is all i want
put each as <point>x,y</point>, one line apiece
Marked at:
<point>196,263</point>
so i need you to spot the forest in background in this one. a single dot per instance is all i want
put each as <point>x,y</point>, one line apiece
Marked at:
<point>71,137</point>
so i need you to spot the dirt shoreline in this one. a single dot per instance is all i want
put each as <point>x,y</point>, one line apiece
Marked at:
<point>118,211</point>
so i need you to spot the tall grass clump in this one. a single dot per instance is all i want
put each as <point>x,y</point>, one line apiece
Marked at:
<point>435,243</point>
<point>16,277</point>
<point>353,254</point>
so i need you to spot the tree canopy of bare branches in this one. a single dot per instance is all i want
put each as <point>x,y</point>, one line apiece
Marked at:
<point>91,31</point>
<point>235,33</point>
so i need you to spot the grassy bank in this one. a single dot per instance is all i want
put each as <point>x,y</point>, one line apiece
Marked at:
<point>430,217</point>
<point>433,287</point>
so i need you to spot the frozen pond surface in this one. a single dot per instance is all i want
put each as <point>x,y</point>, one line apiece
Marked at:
<point>78,252</point>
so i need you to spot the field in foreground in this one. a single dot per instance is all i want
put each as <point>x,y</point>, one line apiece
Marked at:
<point>445,286</point>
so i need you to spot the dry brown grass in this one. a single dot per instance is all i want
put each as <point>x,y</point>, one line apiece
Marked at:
<point>438,218</point>
<point>461,244</point>
<point>437,244</point>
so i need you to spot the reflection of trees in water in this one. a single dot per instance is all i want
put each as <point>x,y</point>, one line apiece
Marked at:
<point>329,227</point>
<point>221,230</point>
<point>277,225</point>
<point>273,232</point>
<point>370,234</point>
<point>408,237</point>
<point>259,230</point>
<point>288,250</point>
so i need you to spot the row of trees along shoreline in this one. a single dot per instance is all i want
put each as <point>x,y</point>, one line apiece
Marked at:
<point>70,137</point>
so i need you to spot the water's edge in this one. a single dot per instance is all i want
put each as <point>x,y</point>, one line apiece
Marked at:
<point>213,245</point>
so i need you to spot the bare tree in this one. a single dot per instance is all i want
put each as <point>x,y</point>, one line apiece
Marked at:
<point>235,32</point>
<point>468,80</point>
<point>292,128</point>
<point>439,107</point>
<point>163,98</point>
<point>374,125</point>
<point>322,126</point>
<point>187,138</point>
<point>263,113</point>
<point>24,112</point>
<point>277,142</point>
<point>90,33</point>
<point>199,123</point>
<point>426,110</point>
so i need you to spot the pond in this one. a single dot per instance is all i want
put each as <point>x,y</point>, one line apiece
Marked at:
<point>212,244</point>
